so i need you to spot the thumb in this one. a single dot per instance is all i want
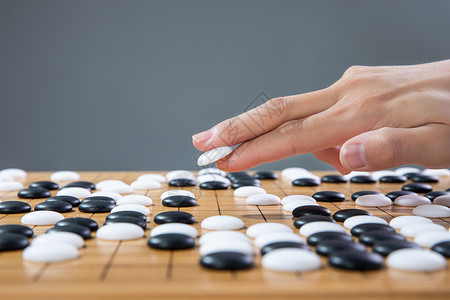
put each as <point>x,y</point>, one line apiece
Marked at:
<point>390,147</point>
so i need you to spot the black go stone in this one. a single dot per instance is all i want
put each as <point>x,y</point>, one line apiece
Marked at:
<point>435,194</point>
<point>227,261</point>
<point>82,184</point>
<point>363,228</point>
<point>182,182</point>
<point>14,207</point>
<point>305,182</point>
<point>74,201</point>
<point>358,194</point>
<point>95,206</point>
<point>179,201</point>
<point>424,178</point>
<point>409,175</point>
<point>395,194</point>
<point>82,231</point>
<point>58,206</point>
<point>124,219</point>
<point>344,214</point>
<point>362,179</point>
<point>17,228</point>
<point>239,184</point>
<point>328,247</point>
<point>417,187</point>
<point>442,248</point>
<point>86,222</point>
<point>127,213</point>
<point>174,217</point>
<point>13,241</point>
<point>265,175</point>
<point>393,179</point>
<point>49,185</point>
<point>308,210</point>
<point>447,190</point>
<point>234,175</point>
<point>101,198</point>
<point>371,237</point>
<point>329,196</point>
<point>386,247</point>
<point>171,241</point>
<point>323,236</point>
<point>355,260</point>
<point>34,193</point>
<point>278,245</point>
<point>299,222</point>
<point>334,179</point>
<point>213,185</point>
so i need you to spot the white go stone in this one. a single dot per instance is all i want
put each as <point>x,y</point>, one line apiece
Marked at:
<point>176,193</point>
<point>77,192</point>
<point>430,238</point>
<point>59,237</point>
<point>222,223</point>
<point>213,155</point>
<point>401,221</point>
<point>7,186</point>
<point>42,217</point>
<point>405,170</point>
<point>135,199</point>
<point>306,176</point>
<point>179,174</point>
<point>432,211</point>
<point>229,245</point>
<point>15,173</point>
<point>247,191</point>
<point>437,172</point>
<point>121,189</point>
<point>114,195</point>
<point>413,230</point>
<point>213,177</point>
<point>179,228</point>
<point>356,220</point>
<point>442,200</point>
<point>275,237</point>
<point>291,205</point>
<point>6,177</point>
<point>373,200</point>
<point>212,171</point>
<point>419,260</point>
<point>48,253</point>
<point>356,173</point>
<point>219,235</point>
<point>146,185</point>
<point>158,177</point>
<point>293,170</point>
<point>263,199</point>
<point>120,232</point>
<point>412,200</point>
<point>296,197</point>
<point>263,228</point>
<point>102,184</point>
<point>131,207</point>
<point>65,176</point>
<point>291,260</point>
<point>320,226</point>
<point>378,174</point>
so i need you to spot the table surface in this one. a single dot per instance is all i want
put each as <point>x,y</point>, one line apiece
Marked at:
<point>130,269</point>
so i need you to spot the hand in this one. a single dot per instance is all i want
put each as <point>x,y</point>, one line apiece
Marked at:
<point>372,118</point>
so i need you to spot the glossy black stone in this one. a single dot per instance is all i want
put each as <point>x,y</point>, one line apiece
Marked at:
<point>235,175</point>
<point>320,237</point>
<point>239,184</point>
<point>82,184</point>
<point>362,179</point>
<point>101,198</point>
<point>174,217</point>
<point>329,196</point>
<point>213,185</point>
<point>14,207</point>
<point>387,246</point>
<point>278,245</point>
<point>442,248</point>
<point>58,206</point>
<point>125,219</point>
<point>13,241</point>
<point>305,182</point>
<point>355,260</point>
<point>34,193</point>
<point>435,194</point>
<point>334,179</point>
<point>363,228</point>
<point>179,201</point>
<point>49,185</point>
<point>393,179</point>
<point>447,190</point>
<point>424,178</point>
<point>344,214</point>
<point>358,194</point>
<point>171,241</point>
<point>409,175</point>
<point>16,228</point>
<point>308,210</point>
<point>395,194</point>
<point>82,231</point>
<point>299,222</point>
<point>227,261</point>
<point>95,206</point>
<point>417,187</point>
<point>328,247</point>
<point>127,213</point>
<point>371,237</point>
<point>74,201</point>
<point>86,222</point>
<point>182,182</point>
<point>265,175</point>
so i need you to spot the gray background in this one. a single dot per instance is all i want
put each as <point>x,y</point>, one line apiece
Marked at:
<point>122,85</point>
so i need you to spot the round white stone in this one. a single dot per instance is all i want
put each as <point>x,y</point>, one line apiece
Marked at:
<point>212,171</point>
<point>275,237</point>
<point>291,260</point>
<point>263,199</point>
<point>213,177</point>
<point>180,174</point>
<point>356,220</point>
<point>65,176</point>
<point>176,193</point>
<point>432,211</point>
<point>437,172</point>
<point>399,222</point>
<point>373,200</point>
<point>405,170</point>
<point>219,235</point>
<point>179,228</point>
<point>59,237</point>
<point>6,186</point>
<point>47,253</point>
<point>263,228</point>
<point>77,192</point>
<point>15,173</point>
<point>413,230</point>
<point>120,232</point>
<point>6,177</point>
<point>222,223</point>
<point>227,246</point>
<point>114,195</point>
<point>442,200</point>
<point>131,207</point>
<point>430,238</point>
<point>293,170</point>
<point>146,184</point>
<point>42,217</point>
<point>297,197</point>
<point>158,177</point>
<point>247,191</point>
<point>356,173</point>
<point>101,184</point>
<point>412,200</point>
<point>213,155</point>
<point>320,226</point>
<point>378,174</point>
<point>135,199</point>
<point>416,260</point>
<point>120,189</point>
<point>291,205</point>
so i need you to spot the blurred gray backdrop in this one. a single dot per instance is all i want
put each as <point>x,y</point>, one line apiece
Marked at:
<point>123,85</point>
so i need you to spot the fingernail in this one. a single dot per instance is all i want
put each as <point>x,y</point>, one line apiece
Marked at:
<point>354,157</point>
<point>203,137</point>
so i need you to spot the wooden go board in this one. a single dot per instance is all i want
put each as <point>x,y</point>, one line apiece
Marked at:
<point>131,270</point>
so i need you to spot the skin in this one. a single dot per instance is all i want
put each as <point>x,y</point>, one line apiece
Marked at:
<point>372,118</point>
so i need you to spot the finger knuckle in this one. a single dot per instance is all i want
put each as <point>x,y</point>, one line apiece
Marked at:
<point>291,133</point>
<point>276,105</point>
<point>390,146</point>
